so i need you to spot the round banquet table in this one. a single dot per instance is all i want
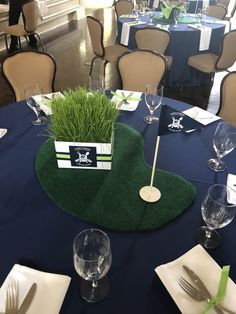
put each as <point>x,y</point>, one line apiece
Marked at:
<point>37,233</point>
<point>194,5</point>
<point>183,44</point>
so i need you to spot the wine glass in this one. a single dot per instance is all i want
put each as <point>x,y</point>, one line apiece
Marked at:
<point>96,83</point>
<point>217,212</point>
<point>136,11</point>
<point>153,99</point>
<point>186,6</point>
<point>176,13</point>
<point>92,260</point>
<point>31,91</point>
<point>224,141</point>
<point>151,16</point>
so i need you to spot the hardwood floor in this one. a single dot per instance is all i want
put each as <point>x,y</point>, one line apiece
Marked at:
<point>70,46</point>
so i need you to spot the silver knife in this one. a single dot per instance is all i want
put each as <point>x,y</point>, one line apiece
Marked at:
<point>28,299</point>
<point>203,289</point>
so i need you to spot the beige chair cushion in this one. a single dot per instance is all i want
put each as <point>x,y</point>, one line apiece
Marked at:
<point>217,11</point>
<point>152,39</point>
<point>140,67</point>
<point>15,30</point>
<point>96,35</point>
<point>113,52</point>
<point>30,12</point>
<point>123,7</point>
<point>228,96</point>
<point>26,68</point>
<point>204,62</point>
<point>228,53</point>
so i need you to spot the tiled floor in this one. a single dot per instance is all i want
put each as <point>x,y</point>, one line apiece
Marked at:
<point>70,45</point>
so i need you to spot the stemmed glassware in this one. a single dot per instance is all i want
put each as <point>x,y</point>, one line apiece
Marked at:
<point>151,16</point>
<point>136,11</point>
<point>176,16</point>
<point>224,141</point>
<point>153,99</point>
<point>31,91</point>
<point>186,6</point>
<point>217,212</point>
<point>92,260</point>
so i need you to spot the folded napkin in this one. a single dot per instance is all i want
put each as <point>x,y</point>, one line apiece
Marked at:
<point>44,101</point>
<point>205,35</point>
<point>163,26</point>
<point>3,132</point>
<point>155,4</point>
<point>124,40</point>
<point>208,271</point>
<point>50,291</point>
<point>128,16</point>
<point>200,115</point>
<point>231,183</point>
<point>132,102</point>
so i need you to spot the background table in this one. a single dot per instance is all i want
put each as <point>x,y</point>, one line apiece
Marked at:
<point>194,5</point>
<point>183,44</point>
<point>37,233</point>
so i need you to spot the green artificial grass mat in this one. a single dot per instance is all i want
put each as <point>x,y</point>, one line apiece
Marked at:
<point>111,198</point>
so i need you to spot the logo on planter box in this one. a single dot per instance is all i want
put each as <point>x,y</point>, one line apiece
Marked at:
<point>83,156</point>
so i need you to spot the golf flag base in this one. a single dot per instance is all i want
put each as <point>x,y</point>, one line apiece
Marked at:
<point>150,194</point>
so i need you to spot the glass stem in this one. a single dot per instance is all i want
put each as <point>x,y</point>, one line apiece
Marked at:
<point>94,283</point>
<point>218,160</point>
<point>208,232</point>
<point>151,112</point>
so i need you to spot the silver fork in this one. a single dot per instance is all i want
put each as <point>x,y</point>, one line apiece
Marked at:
<point>11,301</point>
<point>195,294</point>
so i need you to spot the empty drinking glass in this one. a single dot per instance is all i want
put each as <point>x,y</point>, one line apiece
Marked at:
<point>153,99</point>
<point>92,260</point>
<point>217,212</point>
<point>31,91</point>
<point>151,16</point>
<point>224,141</point>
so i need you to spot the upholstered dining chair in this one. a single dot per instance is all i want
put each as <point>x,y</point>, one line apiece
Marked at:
<point>224,2</point>
<point>227,108</point>
<point>29,67</point>
<point>106,54</point>
<point>217,11</point>
<point>154,39</point>
<point>140,67</point>
<point>30,13</point>
<point>123,7</point>
<point>211,63</point>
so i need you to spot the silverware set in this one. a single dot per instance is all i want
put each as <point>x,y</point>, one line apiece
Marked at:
<point>199,292</point>
<point>12,298</point>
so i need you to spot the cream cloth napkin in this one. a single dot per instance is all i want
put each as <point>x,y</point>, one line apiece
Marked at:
<point>50,291</point>
<point>131,105</point>
<point>124,39</point>
<point>155,3</point>
<point>231,183</point>
<point>201,115</point>
<point>208,271</point>
<point>3,132</point>
<point>44,101</point>
<point>205,35</point>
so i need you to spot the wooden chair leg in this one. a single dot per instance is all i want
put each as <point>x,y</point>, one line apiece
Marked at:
<point>6,43</point>
<point>91,66</point>
<point>40,41</point>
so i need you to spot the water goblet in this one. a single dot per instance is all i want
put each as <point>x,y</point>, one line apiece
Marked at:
<point>186,6</point>
<point>31,91</point>
<point>217,212</point>
<point>96,83</point>
<point>92,260</point>
<point>176,13</point>
<point>224,141</point>
<point>199,15</point>
<point>153,99</point>
<point>151,16</point>
<point>136,11</point>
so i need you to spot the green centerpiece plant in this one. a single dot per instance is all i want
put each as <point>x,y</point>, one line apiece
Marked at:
<point>82,126</point>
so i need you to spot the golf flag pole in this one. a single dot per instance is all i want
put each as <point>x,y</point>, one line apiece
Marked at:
<point>150,193</point>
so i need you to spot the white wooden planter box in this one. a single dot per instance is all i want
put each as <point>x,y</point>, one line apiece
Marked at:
<point>83,155</point>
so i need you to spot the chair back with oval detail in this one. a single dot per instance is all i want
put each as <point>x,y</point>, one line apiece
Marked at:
<point>140,67</point>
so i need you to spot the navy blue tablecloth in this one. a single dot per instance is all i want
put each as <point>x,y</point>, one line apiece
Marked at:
<point>194,5</point>
<point>183,44</point>
<point>37,233</point>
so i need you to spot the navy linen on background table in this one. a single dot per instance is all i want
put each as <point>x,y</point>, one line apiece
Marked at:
<point>194,5</point>
<point>35,232</point>
<point>183,44</point>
